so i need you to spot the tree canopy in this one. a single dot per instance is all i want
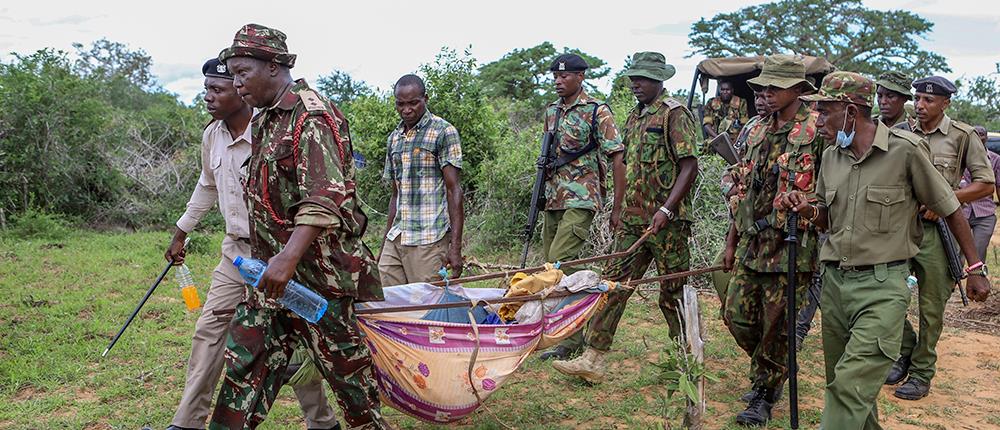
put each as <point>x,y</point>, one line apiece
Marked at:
<point>845,32</point>
<point>523,74</point>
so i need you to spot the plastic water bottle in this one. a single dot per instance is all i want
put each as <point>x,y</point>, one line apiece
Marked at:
<point>911,281</point>
<point>186,284</point>
<point>304,302</point>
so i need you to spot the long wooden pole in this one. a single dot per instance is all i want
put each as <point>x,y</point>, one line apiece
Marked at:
<point>532,297</point>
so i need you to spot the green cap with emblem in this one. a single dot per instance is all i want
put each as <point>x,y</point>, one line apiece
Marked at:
<point>782,71</point>
<point>848,87</point>
<point>651,65</point>
<point>896,82</point>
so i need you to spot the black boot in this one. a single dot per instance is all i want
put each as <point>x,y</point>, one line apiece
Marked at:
<point>748,396</point>
<point>758,411</point>
<point>559,353</point>
<point>913,389</point>
<point>336,427</point>
<point>900,370</point>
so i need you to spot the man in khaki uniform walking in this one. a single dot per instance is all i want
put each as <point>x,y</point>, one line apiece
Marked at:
<point>870,185</point>
<point>954,147</point>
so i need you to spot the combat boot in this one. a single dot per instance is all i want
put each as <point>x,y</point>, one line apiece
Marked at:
<point>913,389</point>
<point>900,370</point>
<point>589,366</point>
<point>758,411</point>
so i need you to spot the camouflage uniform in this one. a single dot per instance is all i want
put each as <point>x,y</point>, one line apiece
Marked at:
<point>575,191</point>
<point>754,310</point>
<point>726,117</point>
<point>657,137</point>
<point>289,185</point>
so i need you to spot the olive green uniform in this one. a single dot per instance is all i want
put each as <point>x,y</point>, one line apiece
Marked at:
<point>953,144</point>
<point>872,204</point>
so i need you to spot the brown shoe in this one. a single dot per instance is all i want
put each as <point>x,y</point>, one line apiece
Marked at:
<point>589,366</point>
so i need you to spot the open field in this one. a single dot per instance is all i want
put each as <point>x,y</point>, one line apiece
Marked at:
<point>64,299</point>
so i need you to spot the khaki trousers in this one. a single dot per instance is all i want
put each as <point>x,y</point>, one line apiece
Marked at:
<point>209,345</point>
<point>405,264</point>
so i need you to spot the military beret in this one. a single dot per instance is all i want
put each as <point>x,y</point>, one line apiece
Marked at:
<point>216,69</point>
<point>935,85</point>
<point>569,63</point>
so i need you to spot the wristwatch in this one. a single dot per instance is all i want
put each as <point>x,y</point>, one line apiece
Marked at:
<point>670,215</point>
<point>978,269</point>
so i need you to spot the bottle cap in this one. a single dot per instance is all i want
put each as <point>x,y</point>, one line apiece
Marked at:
<point>238,261</point>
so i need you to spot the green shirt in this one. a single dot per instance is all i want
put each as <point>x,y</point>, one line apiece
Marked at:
<point>771,154</point>
<point>947,142</point>
<point>580,183</point>
<point>657,137</point>
<point>873,200</point>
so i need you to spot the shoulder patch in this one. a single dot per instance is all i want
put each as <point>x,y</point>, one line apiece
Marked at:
<point>311,100</point>
<point>804,132</point>
<point>671,103</point>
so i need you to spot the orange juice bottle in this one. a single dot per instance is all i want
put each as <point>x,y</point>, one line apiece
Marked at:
<point>188,291</point>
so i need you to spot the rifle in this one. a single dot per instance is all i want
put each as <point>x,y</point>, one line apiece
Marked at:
<point>141,303</point>
<point>954,259</point>
<point>792,244</point>
<point>546,157</point>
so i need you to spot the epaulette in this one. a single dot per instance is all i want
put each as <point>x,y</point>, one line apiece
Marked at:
<point>906,135</point>
<point>312,101</point>
<point>963,126</point>
<point>671,103</point>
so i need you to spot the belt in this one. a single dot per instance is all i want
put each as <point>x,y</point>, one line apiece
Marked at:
<point>866,267</point>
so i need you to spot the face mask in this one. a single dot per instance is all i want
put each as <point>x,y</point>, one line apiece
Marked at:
<point>844,140</point>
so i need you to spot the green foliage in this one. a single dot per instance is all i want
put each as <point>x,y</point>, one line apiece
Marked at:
<point>978,101</point>
<point>340,87</point>
<point>35,224</point>
<point>523,75</point>
<point>52,126</point>
<point>457,96</point>
<point>845,32</point>
<point>372,118</point>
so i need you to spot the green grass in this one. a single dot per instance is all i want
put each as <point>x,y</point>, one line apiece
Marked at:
<point>65,299</point>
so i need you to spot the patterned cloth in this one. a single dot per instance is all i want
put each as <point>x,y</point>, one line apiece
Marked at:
<point>770,156</point>
<point>309,186</point>
<point>657,136</point>
<point>984,206</point>
<point>580,183</point>
<point>413,161</point>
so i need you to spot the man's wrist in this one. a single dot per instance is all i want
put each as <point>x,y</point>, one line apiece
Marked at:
<point>670,214</point>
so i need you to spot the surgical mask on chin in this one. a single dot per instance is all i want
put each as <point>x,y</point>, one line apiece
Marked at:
<point>845,140</point>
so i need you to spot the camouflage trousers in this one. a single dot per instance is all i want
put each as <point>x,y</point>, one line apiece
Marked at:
<point>261,342</point>
<point>669,250</point>
<point>755,315</point>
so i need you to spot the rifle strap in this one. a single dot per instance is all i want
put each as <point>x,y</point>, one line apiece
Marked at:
<point>570,156</point>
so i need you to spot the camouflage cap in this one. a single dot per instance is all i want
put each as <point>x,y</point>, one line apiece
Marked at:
<point>652,65</point>
<point>782,71</point>
<point>896,82</point>
<point>260,42</point>
<point>846,87</point>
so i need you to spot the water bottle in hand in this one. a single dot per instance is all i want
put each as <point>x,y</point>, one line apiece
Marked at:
<point>304,302</point>
<point>186,284</point>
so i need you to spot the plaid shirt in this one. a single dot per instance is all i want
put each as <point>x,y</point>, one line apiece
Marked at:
<point>413,161</point>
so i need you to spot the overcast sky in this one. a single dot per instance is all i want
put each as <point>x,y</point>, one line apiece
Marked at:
<point>379,40</point>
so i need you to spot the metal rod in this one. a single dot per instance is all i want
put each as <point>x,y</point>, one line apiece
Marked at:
<point>791,311</point>
<point>529,298</point>
<point>138,308</point>
<point>530,270</point>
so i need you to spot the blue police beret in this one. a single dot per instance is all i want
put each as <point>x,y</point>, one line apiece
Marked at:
<point>216,69</point>
<point>935,85</point>
<point>569,63</point>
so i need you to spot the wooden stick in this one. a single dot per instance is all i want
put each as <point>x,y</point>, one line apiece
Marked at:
<point>529,298</point>
<point>536,269</point>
